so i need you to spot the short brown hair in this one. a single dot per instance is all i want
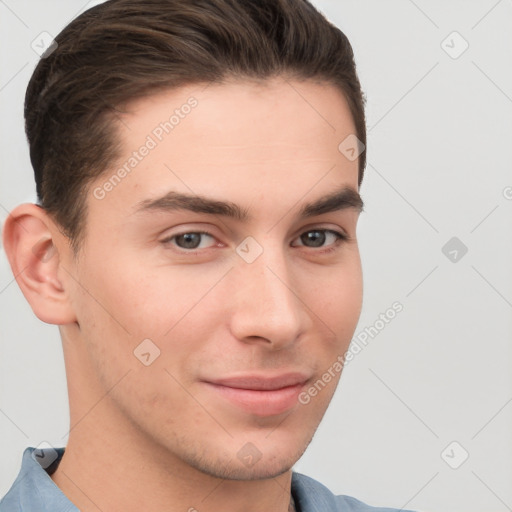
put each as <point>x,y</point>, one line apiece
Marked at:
<point>122,50</point>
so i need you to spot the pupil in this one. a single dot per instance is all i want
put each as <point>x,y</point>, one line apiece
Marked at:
<point>189,240</point>
<point>313,238</point>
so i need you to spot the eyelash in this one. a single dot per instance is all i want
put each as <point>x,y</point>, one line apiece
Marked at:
<point>340,238</point>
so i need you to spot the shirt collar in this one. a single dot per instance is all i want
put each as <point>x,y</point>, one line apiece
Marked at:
<point>35,491</point>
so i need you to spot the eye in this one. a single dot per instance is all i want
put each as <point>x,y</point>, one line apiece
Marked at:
<point>191,240</point>
<point>319,238</point>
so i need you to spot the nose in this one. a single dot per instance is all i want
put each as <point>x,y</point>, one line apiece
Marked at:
<point>266,308</point>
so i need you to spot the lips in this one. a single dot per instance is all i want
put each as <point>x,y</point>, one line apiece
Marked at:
<point>260,395</point>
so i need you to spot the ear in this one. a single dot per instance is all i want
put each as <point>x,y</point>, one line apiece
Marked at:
<point>29,241</point>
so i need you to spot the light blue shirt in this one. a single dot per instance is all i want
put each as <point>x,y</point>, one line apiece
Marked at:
<point>34,490</point>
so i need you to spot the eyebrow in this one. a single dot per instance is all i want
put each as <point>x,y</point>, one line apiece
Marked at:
<point>194,203</point>
<point>345,198</point>
<point>342,199</point>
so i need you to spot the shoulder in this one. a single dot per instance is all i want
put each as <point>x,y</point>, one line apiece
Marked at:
<point>312,496</point>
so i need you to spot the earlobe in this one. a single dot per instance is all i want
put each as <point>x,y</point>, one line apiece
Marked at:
<point>34,258</point>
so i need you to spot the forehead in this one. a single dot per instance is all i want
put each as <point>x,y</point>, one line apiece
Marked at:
<point>241,114</point>
<point>277,137</point>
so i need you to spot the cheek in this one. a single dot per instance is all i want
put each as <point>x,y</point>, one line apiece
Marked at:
<point>126,305</point>
<point>336,306</point>
<point>336,298</point>
<point>345,305</point>
<point>146,300</point>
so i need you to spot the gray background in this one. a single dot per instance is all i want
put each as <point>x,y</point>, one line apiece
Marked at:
<point>439,166</point>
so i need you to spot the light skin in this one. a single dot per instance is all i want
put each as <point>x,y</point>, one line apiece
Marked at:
<point>170,435</point>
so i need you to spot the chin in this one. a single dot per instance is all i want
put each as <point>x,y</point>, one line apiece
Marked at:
<point>248,463</point>
<point>234,470</point>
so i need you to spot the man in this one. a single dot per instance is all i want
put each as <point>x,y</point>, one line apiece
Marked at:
<point>198,166</point>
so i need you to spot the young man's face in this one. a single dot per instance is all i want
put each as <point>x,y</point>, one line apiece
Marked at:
<point>250,293</point>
